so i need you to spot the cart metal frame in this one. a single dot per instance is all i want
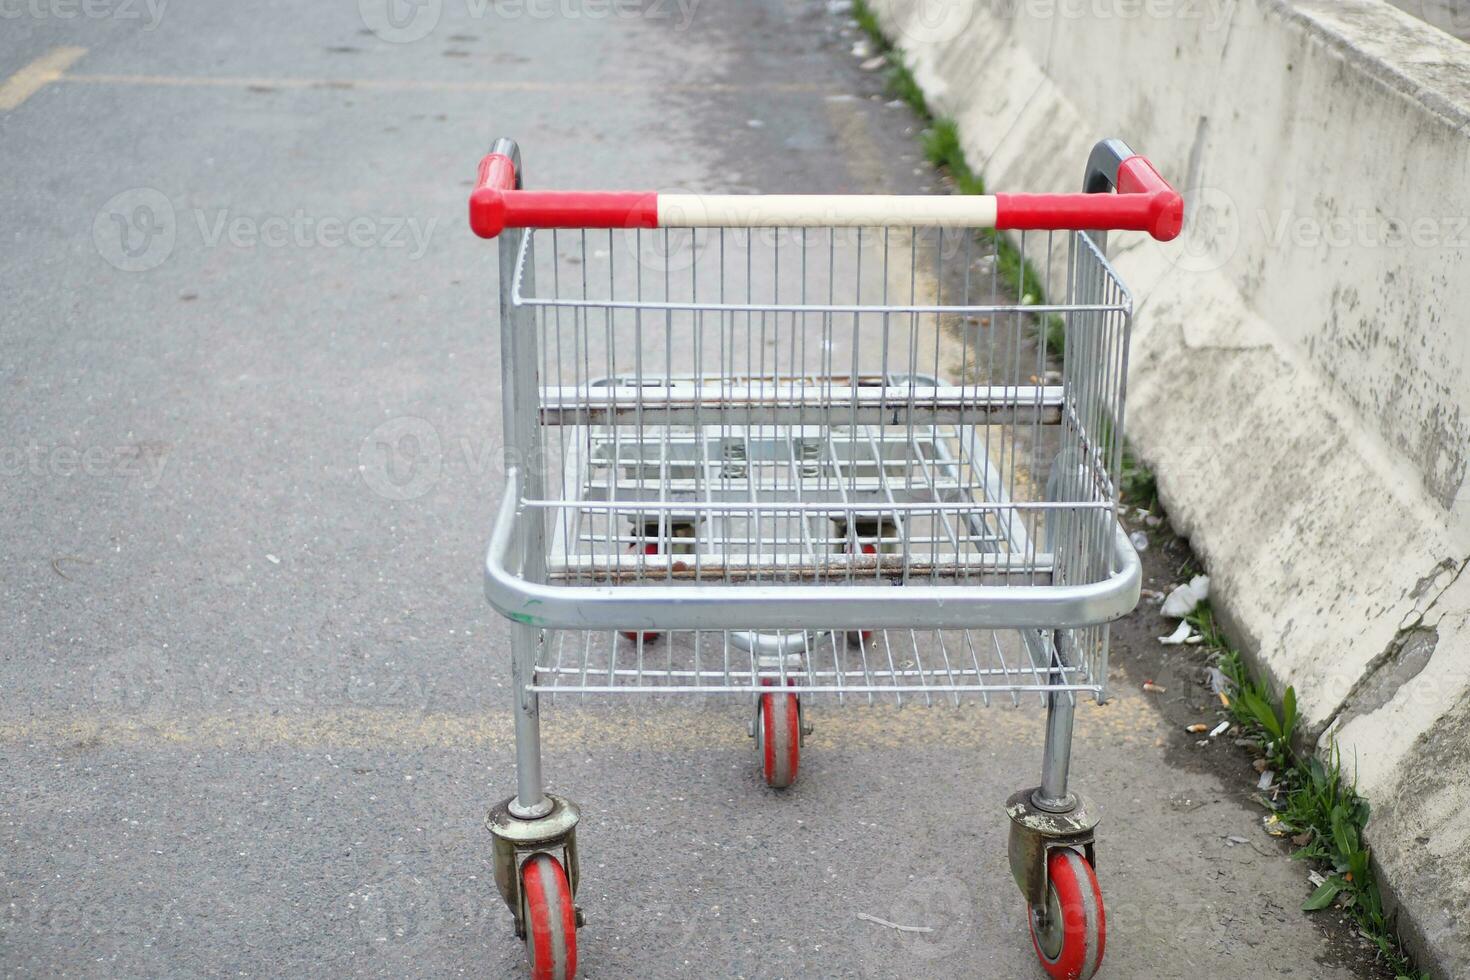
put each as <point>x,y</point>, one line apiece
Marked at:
<point>770,514</point>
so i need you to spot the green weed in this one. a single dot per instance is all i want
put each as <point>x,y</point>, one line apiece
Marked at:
<point>941,143</point>
<point>1139,487</point>
<point>868,22</point>
<point>1318,804</point>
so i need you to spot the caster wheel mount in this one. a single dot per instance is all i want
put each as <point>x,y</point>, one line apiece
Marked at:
<point>679,540</point>
<point>632,636</point>
<point>1053,856</point>
<point>877,531</point>
<point>536,873</point>
<point>860,637</point>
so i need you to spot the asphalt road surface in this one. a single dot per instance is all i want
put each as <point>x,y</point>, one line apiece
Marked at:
<point>253,705</point>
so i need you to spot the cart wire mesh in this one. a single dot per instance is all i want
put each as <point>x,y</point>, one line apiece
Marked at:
<point>855,408</point>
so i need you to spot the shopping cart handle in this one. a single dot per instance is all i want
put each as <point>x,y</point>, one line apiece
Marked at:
<point>1113,166</point>
<point>1144,202</point>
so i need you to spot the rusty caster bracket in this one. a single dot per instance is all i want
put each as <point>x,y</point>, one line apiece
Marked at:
<point>793,663</point>
<point>1035,833</point>
<point>518,840</point>
<point>803,727</point>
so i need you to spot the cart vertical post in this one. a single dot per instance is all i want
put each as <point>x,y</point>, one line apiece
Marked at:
<point>519,388</point>
<point>1056,760</point>
<point>534,833</point>
<point>518,384</point>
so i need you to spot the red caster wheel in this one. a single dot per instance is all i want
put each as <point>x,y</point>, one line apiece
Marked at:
<point>651,548</point>
<point>861,636</point>
<point>1070,938</point>
<point>778,738</point>
<point>551,919</point>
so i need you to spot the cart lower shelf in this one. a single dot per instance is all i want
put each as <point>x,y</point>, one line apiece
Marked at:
<point>898,664</point>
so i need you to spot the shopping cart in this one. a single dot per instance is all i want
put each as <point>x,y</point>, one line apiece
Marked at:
<point>787,447</point>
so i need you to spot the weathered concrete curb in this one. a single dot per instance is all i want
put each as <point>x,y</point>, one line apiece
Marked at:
<point>1301,372</point>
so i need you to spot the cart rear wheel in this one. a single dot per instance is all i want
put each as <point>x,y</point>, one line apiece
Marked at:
<point>1070,933</point>
<point>551,919</point>
<point>651,548</point>
<point>778,738</point>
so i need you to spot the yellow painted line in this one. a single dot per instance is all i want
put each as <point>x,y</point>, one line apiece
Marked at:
<point>595,730</point>
<point>48,68</point>
<point>427,85</point>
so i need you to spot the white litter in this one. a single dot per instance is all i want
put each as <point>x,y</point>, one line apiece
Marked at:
<point>1267,778</point>
<point>862,49</point>
<point>1179,636</point>
<point>1220,729</point>
<point>1184,598</point>
<point>874,63</point>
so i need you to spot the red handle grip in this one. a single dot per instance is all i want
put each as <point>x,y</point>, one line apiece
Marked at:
<point>497,172</point>
<point>1144,202</point>
<point>487,201</point>
<point>496,204</point>
<point>1166,207</point>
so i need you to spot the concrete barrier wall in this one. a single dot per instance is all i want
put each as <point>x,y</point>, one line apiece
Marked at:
<point>1300,381</point>
<point>1451,16</point>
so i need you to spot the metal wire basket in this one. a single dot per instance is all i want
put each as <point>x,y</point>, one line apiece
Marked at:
<point>798,454</point>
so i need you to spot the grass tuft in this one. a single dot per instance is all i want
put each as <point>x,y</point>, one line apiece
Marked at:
<point>1140,489</point>
<point>941,142</point>
<point>901,85</point>
<point>868,22</point>
<point>942,147</point>
<point>1318,802</point>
